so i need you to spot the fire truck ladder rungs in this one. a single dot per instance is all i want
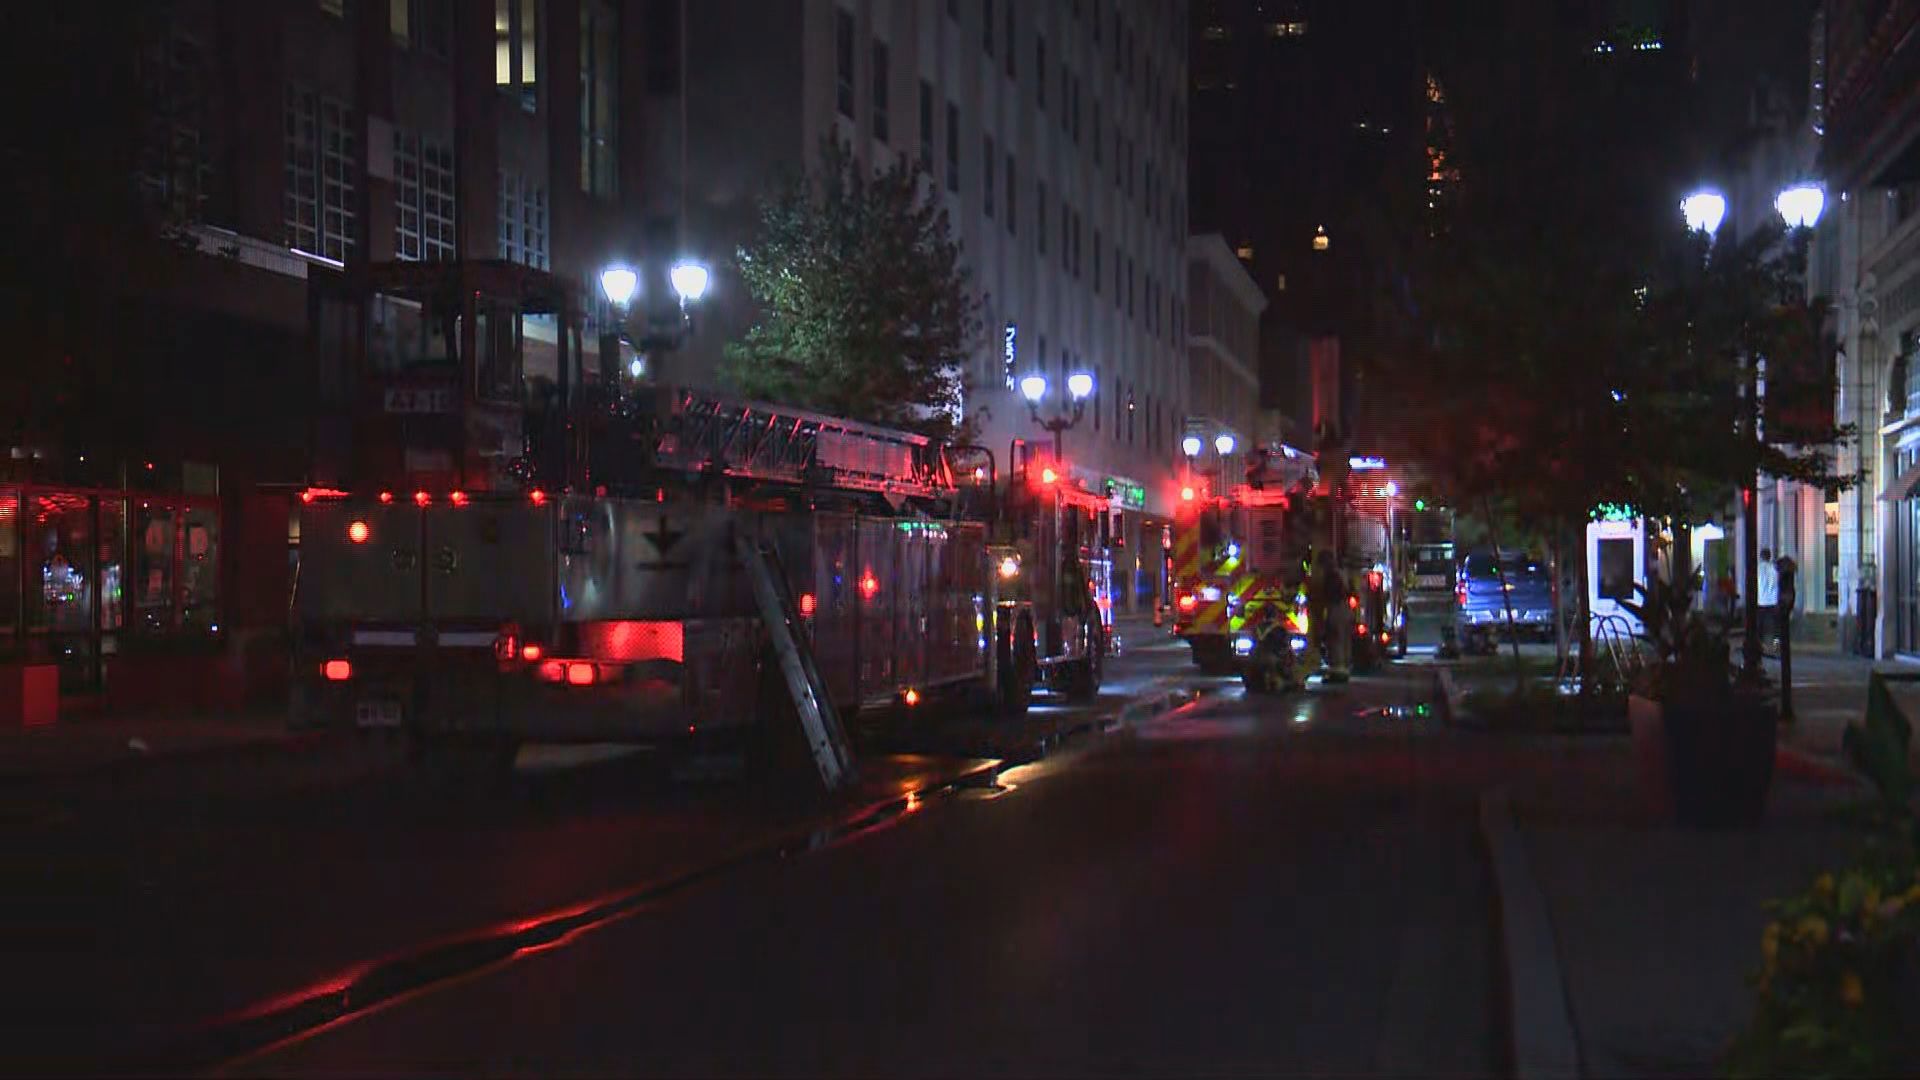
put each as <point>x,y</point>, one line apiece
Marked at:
<point>826,739</point>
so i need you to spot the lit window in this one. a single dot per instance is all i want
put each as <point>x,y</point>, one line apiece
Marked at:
<point>515,48</point>
<point>322,157</point>
<point>1320,241</point>
<point>1280,283</point>
<point>422,198</point>
<point>523,221</point>
<point>397,21</point>
<point>1244,251</point>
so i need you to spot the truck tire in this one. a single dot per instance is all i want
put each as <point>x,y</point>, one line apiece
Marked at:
<point>1017,664</point>
<point>1213,655</point>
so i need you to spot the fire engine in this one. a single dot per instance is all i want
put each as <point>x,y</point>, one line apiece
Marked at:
<point>1253,546</point>
<point>504,542</point>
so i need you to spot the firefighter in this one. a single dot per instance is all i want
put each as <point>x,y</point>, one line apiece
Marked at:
<point>1327,595</point>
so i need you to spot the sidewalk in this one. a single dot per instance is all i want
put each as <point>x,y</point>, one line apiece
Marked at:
<point>1830,692</point>
<point>85,743</point>
<point>1653,929</point>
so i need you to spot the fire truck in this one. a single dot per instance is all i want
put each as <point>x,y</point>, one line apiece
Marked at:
<point>1254,546</point>
<point>506,541</point>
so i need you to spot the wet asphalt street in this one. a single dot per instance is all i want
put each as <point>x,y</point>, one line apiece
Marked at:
<point>1244,887</point>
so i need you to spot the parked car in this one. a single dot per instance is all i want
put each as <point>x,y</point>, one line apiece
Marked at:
<point>1482,616</point>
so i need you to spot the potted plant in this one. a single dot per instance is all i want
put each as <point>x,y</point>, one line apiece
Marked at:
<point>1704,733</point>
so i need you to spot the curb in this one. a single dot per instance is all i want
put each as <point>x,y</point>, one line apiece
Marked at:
<point>1540,1032</point>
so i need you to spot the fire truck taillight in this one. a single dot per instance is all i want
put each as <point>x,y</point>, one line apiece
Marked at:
<point>421,498</point>
<point>807,605</point>
<point>553,671</point>
<point>1187,602</point>
<point>530,651</point>
<point>537,497</point>
<point>357,531</point>
<point>386,498</point>
<point>580,674</point>
<point>1353,603</point>
<point>1376,580</point>
<point>336,670</point>
<point>869,586</point>
<point>458,498</point>
<point>1009,567</point>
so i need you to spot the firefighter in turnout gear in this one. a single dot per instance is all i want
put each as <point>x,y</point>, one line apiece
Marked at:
<point>1327,593</point>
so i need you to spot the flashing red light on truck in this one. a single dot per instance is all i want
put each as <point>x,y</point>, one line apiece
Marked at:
<point>421,498</point>
<point>358,532</point>
<point>337,670</point>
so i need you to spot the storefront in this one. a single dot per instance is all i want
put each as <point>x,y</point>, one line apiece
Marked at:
<point>94,582</point>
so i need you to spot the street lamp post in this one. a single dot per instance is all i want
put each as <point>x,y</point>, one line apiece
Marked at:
<point>1223,445</point>
<point>620,282</point>
<point>1799,207</point>
<point>1079,388</point>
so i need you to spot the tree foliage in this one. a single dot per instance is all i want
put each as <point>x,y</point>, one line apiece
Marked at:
<point>866,309</point>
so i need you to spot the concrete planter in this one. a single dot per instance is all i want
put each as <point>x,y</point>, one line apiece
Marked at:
<point>1705,761</point>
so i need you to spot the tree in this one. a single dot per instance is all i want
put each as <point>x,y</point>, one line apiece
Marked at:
<point>866,310</point>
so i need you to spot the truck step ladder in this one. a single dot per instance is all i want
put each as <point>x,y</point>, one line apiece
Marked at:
<point>826,739</point>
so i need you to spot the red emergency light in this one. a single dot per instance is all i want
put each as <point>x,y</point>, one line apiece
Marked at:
<point>537,497</point>
<point>807,605</point>
<point>358,532</point>
<point>1187,602</point>
<point>1186,494</point>
<point>313,493</point>
<point>337,670</point>
<point>1375,580</point>
<point>1048,476</point>
<point>458,498</point>
<point>869,586</point>
<point>421,498</point>
<point>386,498</point>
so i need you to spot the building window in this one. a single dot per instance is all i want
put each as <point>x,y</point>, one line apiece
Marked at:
<point>1075,110</point>
<point>953,148</point>
<point>523,221</point>
<point>986,25</point>
<point>987,160</point>
<point>881,127</point>
<point>1013,46</point>
<point>1066,238</point>
<point>516,48</point>
<point>1013,197</point>
<point>430,26</point>
<point>926,126</point>
<point>599,98</point>
<point>843,61</point>
<point>1040,216</point>
<point>322,164</point>
<point>1040,72</point>
<point>175,171</point>
<point>423,199</point>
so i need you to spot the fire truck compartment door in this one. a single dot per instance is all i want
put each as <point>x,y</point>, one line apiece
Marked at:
<point>373,579</point>
<point>489,560</point>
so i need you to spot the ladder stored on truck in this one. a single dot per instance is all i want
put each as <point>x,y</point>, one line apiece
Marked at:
<point>826,738</point>
<point>788,445</point>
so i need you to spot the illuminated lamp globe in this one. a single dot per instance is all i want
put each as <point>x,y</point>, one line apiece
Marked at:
<point>619,282</point>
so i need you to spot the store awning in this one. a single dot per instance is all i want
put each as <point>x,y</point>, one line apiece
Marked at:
<point>1903,485</point>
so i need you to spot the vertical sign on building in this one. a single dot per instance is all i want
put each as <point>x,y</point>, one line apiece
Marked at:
<point>1008,351</point>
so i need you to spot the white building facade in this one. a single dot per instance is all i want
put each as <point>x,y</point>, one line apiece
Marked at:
<point>1055,131</point>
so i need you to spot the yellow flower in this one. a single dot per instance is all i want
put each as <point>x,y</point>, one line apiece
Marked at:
<point>1851,992</point>
<point>1813,928</point>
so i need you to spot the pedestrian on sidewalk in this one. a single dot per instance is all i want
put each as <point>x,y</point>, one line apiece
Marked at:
<point>1768,596</point>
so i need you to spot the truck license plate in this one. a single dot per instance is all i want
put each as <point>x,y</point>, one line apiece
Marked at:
<point>382,713</point>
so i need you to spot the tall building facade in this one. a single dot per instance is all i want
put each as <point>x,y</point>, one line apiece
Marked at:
<point>1054,131</point>
<point>1868,118</point>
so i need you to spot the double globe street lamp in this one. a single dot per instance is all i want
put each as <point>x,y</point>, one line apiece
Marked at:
<point>619,282</point>
<point>1799,206</point>
<point>1079,389</point>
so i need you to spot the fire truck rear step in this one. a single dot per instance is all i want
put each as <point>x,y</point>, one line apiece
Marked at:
<point>826,738</point>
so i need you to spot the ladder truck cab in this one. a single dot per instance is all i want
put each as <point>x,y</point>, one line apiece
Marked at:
<point>507,540</point>
<point>1051,535</point>
<point>1234,556</point>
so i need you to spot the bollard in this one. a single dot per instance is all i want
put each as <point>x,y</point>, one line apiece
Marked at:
<point>1783,622</point>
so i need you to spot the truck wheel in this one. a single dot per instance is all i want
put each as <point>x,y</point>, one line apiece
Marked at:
<point>1083,677</point>
<point>1213,656</point>
<point>1016,662</point>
